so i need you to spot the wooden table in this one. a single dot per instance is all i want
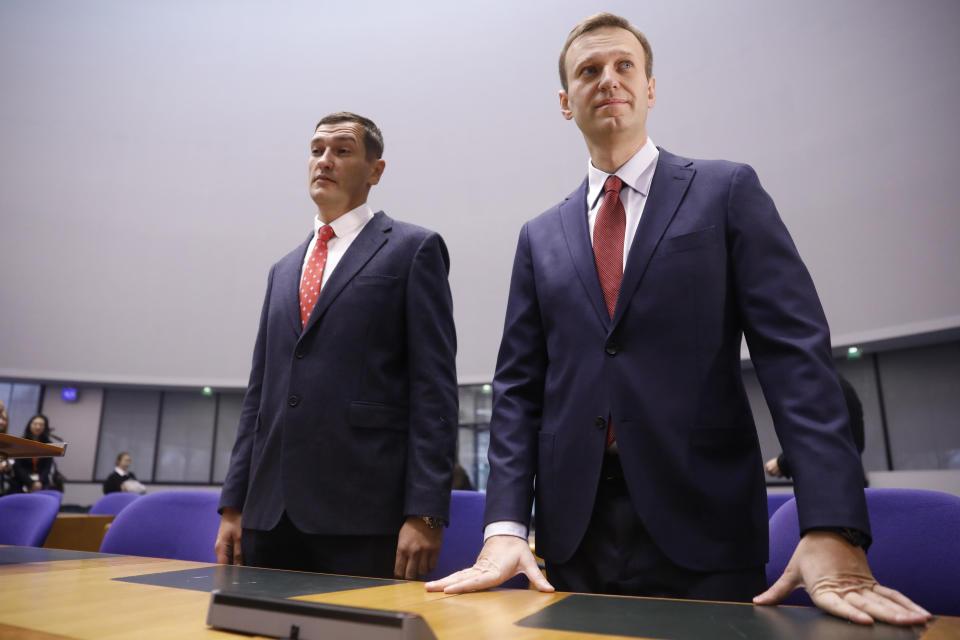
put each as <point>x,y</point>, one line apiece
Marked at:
<point>48,594</point>
<point>78,531</point>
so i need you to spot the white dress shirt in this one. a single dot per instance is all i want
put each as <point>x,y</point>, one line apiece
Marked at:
<point>636,174</point>
<point>346,229</point>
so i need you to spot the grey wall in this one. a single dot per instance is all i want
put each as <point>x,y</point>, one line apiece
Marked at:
<point>153,161</point>
<point>78,423</point>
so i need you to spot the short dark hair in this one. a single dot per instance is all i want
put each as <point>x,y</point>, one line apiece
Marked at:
<point>597,21</point>
<point>372,138</point>
<point>120,456</point>
<point>45,435</point>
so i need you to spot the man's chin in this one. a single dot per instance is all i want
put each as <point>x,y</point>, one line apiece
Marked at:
<point>614,125</point>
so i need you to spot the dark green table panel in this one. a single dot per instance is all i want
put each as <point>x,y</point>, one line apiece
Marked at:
<point>253,581</point>
<point>18,555</point>
<point>689,620</point>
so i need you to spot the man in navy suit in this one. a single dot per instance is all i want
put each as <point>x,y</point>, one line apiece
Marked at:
<point>618,397</point>
<point>343,461</point>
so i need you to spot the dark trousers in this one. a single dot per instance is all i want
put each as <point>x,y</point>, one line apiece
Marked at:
<point>286,547</point>
<point>618,557</point>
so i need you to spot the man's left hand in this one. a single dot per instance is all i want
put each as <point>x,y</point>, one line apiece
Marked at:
<point>836,575</point>
<point>418,548</point>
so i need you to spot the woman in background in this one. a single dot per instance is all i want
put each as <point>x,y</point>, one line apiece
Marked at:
<point>6,466</point>
<point>33,474</point>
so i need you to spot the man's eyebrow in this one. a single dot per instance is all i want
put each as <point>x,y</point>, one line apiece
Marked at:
<point>337,138</point>
<point>594,56</point>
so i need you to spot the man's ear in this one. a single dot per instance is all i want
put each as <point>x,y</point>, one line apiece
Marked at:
<point>377,172</point>
<point>565,105</point>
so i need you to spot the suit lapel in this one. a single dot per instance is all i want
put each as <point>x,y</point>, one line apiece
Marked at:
<point>670,182</point>
<point>287,283</point>
<point>373,236</point>
<point>573,219</point>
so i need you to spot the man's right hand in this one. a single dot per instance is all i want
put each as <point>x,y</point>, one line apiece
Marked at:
<point>501,558</point>
<point>228,538</point>
<point>773,467</point>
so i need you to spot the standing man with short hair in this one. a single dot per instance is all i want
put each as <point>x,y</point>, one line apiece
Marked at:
<point>618,397</point>
<point>344,454</point>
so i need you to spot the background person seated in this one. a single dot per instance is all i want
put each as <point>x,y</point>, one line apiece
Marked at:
<point>122,479</point>
<point>33,474</point>
<point>6,465</point>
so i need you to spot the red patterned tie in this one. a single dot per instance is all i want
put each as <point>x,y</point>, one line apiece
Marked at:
<point>313,274</point>
<point>608,233</point>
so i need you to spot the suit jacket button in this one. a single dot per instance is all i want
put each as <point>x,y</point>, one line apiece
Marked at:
<point>293,400</point>
<point>299,354</point>
<point>600,422</point>
<point>611,349</point>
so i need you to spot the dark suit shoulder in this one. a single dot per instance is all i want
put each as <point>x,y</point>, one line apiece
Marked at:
<point>552,215</point>
<point>405,230</point>
<point>297,254</point>
<point>717,167</point>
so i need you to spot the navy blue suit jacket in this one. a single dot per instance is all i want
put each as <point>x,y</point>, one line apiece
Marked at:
<point>350,425</point>
<point>711,262</point>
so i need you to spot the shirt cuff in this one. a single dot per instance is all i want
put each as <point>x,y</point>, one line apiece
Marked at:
<point>505,528</point>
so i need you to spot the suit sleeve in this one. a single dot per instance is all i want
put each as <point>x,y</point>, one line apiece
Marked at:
<point>235,484</point>
<point>432,349</point>
<point>518,397</point>
<point>789,341</point>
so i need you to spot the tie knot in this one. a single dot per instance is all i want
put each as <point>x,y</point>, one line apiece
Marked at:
<point>325,233</point>
<point>613,183</point>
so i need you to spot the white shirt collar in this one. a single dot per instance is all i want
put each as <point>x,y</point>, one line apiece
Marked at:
<point>348,223</point>
<point>637,172</point>
<point>120,471</point>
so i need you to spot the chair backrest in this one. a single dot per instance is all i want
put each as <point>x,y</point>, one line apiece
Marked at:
<point>775,501</point>
<point>176,524</point>
<point>113,503</point>
<point>463,538</point>
<point>915,550</point>
<point>52,492</point>
<point>26,518</point>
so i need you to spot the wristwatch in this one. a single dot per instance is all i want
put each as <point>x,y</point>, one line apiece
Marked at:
<point>433,523</point>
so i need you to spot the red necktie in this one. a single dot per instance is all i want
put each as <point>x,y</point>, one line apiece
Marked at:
<point>608,231</point>
<point>313,274</point>
<point>608,234</point>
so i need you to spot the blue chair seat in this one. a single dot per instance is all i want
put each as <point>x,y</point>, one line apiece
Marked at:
<point>113,503</point>
<point>26,518</point>
<point>176,524</point>
<point>775,501</point>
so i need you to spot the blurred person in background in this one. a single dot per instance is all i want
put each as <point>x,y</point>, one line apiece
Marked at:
<point>6,465</point>
<point>33,474</point>
<point>122,479</point>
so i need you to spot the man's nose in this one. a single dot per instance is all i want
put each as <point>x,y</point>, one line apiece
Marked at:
<point>608,78</point>
<point>325,159</point>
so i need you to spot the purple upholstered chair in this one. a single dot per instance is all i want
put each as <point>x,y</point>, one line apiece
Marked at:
<point>167,524</point>
<point>463,539</point>
<point>775,501</point>
<point>52,492</point>
<point>113,503</point>
<point>915,550</point>
<point>26,518</point>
